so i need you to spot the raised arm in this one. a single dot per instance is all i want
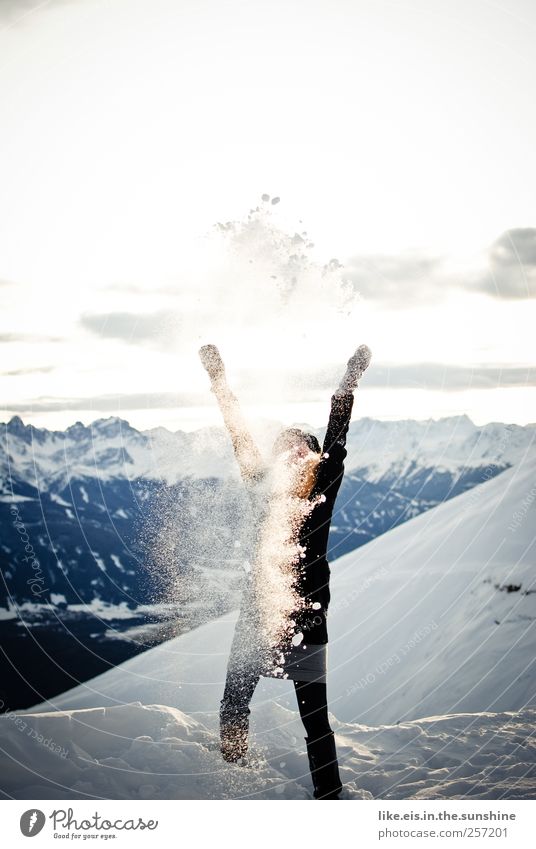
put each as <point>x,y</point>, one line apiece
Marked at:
<point>246,452</point>
<point>331,468</point>
<point>343,399</point>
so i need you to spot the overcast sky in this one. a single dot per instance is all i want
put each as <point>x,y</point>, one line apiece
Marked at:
<point>400,140</point>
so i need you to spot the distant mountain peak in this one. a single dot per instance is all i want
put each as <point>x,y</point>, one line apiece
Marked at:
<point>110,424</point>
<point>459,422</point>
<point>462,418</point>
<point>15,422</point>
<point>16,427</point>
<point>74,428</point>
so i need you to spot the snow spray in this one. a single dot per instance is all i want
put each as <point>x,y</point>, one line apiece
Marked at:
<point>279,552</point>
<point>197,543</point>
<point>256,280</point>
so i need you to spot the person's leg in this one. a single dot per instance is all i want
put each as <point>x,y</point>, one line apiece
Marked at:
<point>234,712</point>
<point>321,751</point>
<point>313,707</point>
<point>242,677</point>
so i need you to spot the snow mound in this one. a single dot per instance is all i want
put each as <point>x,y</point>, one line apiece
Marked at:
<point>460,756</point>
<point>128,752</point>
<point>140,751</point>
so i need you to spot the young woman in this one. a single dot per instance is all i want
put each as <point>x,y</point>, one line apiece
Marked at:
<point>294,510</point>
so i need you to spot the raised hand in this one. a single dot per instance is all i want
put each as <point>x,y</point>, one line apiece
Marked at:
<point>247,454</point>
<point>356,367</point>
<point>212,361</point>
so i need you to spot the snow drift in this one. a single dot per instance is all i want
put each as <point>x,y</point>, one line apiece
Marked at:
<point>140,751</point>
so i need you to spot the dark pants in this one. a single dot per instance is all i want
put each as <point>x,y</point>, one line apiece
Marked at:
<point>244,669</point>
<point>240,686</point>
<point>313,707</point>
<point>246,664</point>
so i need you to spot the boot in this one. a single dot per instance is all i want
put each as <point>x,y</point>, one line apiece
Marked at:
<point>324,767</point>
<point>233,740</point>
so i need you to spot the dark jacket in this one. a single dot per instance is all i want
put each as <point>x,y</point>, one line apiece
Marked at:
<point>314,572</point>
<point>312,580</point>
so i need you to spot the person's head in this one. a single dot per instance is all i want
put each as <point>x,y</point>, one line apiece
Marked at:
<point>302,452</point>
<point>297,442</point>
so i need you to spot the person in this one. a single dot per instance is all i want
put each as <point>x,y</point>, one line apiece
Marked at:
<point>299,644</point>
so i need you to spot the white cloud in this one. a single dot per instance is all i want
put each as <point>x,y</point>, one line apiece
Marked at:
<point>512,265</point>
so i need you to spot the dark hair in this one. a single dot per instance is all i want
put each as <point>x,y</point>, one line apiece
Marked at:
<point>288,437</point>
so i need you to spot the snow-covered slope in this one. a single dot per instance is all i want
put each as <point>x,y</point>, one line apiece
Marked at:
<point>436,616</point>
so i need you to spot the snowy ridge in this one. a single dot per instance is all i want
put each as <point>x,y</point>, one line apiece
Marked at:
<point>448,444</point>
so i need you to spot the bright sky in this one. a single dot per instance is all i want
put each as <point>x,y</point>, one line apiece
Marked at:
<point>399,135</point>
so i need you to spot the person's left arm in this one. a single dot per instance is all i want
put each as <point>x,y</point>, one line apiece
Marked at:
<point>331,468</point>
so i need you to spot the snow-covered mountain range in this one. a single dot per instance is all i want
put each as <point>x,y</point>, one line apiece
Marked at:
<point>432,687</point>
<point>85,493</point>
<point>111,449</point>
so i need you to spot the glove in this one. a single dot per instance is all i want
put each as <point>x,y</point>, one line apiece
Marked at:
<point>212,362</point>
<point>357,365</point>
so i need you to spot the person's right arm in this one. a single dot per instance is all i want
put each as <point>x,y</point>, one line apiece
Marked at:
<point>247,454</point>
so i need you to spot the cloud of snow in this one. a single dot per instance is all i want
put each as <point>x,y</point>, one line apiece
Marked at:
<point>254,287</point>
<point>207,542</point>
<point>278,554</point>
<point>262,298</point>
<point>196,541</point>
